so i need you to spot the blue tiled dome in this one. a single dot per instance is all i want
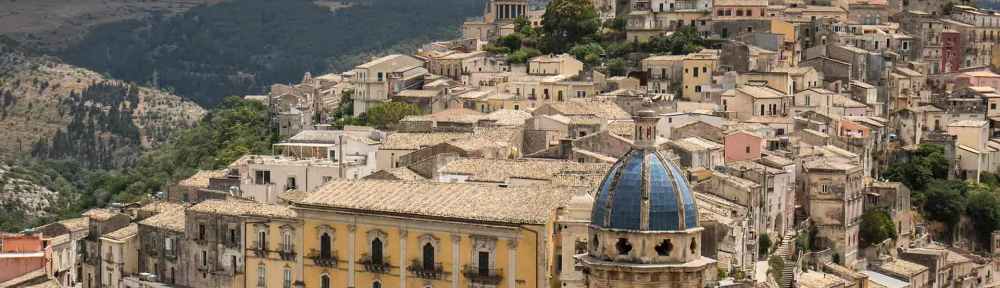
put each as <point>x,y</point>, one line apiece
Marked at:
<point>644,191</point>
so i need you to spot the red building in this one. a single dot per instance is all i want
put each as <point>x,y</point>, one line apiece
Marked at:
<point>21,254</point>
<point>951,50</point>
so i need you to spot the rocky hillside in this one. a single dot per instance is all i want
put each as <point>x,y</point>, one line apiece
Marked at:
<point>46,103</point>
<point>21,194</point>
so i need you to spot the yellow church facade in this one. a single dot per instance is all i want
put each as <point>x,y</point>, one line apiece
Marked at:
<point>378,234</point>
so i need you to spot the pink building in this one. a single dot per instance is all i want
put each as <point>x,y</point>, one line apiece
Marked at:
<point>742,145</point>
<point>738,9</point>
<point>22,254</point>
<point>977,78</point>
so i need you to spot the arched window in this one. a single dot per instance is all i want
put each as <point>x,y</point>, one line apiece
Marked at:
<point>324,281</point>
<point>739,12</point>
<point>261,272</point>
<point>376,284</point>
<point>287,283</point>
<point>286,241</point>
<point>429,257</point>
<point>878,19</point>
<point>324,246</point>
<point>376,251</point>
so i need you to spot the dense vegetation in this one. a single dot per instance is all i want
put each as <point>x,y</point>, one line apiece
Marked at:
<point>235,128</point>
<point>949,203</point>
<point>241,47</point>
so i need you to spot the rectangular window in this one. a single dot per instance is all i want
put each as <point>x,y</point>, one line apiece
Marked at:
<point>695,71</point>
<point>291,185</point>
<point>262,177</point>
<point>201,231</point>
<point>204,258</point>
<point>748,149</point>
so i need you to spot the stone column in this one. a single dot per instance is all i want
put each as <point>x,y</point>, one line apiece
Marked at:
<point>512,262</point>
<point>456,270</point>
<point>350,258</point>
<point>402,257</point>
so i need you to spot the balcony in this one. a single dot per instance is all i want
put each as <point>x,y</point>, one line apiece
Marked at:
<point>287,252</point>
<point>376,265</point>
<point>329,261</point>
<point>482,275</point>
<point>170,255</point>
<point>260,249</point>
<point>426,270</point>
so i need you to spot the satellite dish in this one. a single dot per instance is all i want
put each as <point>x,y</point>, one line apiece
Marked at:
<point>235,191</point>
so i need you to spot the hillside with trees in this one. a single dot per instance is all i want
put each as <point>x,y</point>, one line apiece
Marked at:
<point>67,187</point>
<point>242,47</point>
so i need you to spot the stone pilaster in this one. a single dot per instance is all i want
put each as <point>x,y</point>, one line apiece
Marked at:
<point>350,258</point>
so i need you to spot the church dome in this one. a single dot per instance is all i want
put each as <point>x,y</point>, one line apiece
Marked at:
<point>644,191</point>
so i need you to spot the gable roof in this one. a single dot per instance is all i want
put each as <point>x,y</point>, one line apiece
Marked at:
<point>468,202</point>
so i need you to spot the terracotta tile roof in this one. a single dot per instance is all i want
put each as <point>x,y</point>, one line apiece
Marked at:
<point>403,173</point>
<point>606,111</point>
<point>777,160</point>
<point>242,208</point>
<point>813,279</point>
<point>872,182</point>
<point>760,92</point>
<point>123,233</point>
<point>831,163</point>
<point>901,268</point>
<point>76,223</point>
<point>473,202</point>
<point>200,179</point>
<point>293,195</point>
<point>172,220</point>
<point>622,128</point>
<point>101,214</point>
<point>489,137</point>
<point>415,141</point>
<point>16,281</point>
<point>794,70</point>
<point>692,144</point>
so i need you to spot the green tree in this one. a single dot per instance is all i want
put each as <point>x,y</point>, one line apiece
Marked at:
<point>616,24</point>
<point>567,22</point>
<point>721,273</point>
<point>521,22</point>
<point>919,169</point>
<point>511,41</point>
<point>876,226</point>
<point>988,179</point>
<point>615,67</point>
<point>587,52</point>
<point>775,267</point>
<point>983,208</point>
<point>945,201</point>
<point>522,56</point>
<point>763,244</point>
<point>386,115</point>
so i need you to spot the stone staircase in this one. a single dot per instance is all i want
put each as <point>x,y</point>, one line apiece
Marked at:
<point>785,249</point>
<point>787,274</point>
<point>787,245</point>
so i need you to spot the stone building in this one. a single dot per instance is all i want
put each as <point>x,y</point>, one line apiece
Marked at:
<point>67,242</point>
<point>120,255</point>
<point>101,221</point>
<point>644,226</point>
<point>833,189</point>
<point>162,242</point>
